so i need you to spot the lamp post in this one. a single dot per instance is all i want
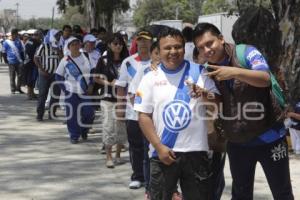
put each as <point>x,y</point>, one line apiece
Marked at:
<point>17,13</point>
<point>177,10</point>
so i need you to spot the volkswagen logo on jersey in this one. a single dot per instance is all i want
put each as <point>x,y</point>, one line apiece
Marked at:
<point>177,115</point>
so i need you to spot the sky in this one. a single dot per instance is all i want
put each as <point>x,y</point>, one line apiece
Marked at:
<point>31,8</point>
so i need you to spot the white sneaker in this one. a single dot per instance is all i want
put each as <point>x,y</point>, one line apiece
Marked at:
<point>119,161</point>
<point>135,185</point>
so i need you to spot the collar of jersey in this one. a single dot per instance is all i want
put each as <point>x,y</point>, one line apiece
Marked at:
<point>168,71</point>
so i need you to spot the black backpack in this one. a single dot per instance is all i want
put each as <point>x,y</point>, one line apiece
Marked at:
<point>258,27</point>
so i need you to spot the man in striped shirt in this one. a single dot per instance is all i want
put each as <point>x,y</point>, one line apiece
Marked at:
<point>47,58</point>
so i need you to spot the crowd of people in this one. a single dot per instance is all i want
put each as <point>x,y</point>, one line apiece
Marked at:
<point>175,97</point>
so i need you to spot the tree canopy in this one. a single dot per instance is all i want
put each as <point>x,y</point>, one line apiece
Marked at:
<point>102,10</point>
<point>153,10</point>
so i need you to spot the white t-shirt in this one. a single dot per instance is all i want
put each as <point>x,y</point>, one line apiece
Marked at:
<point>93,57</point>
<point>128,71</point>
<point>66,69</point>
<point>189,49</point>
<point>178,119</point>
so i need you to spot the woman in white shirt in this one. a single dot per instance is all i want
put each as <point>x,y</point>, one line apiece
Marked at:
<point>74,74</point>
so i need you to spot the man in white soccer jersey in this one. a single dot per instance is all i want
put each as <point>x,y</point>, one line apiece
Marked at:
<point>128,72</point>
<point>173,121</point>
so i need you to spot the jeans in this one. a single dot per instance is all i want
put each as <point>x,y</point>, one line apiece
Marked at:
<point>15,70</point>
<point>30,74</point>
<point>191,169</point>
<point>44,84</point>
<point>274,160</point>
<point>146,164</point>
<point>136,150</point>
<point>217,178</point>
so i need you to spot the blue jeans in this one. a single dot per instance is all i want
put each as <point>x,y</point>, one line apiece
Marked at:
<point>136,150</point>
<point>44,85</point>
<point>274,160</point>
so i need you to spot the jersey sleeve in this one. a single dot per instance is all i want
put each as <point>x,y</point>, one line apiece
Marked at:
<point>123,75</point>
<point>255,60</point>
<point>207,83</point>
<point>143,101</point>
<point>61,68</point>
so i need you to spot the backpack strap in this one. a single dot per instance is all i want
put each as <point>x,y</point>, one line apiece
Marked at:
<point>240,53</point>
<point>275,87</point>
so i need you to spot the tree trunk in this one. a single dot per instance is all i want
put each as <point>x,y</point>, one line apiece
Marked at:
<point>109,21</point>
<point>287,13</point>
<point>90,6</point>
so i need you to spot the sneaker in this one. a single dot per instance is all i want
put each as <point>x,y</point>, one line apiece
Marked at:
<point>20,91</point>
<point>74,141</point>
<point>135,185</point>
<point>84,136</point>
<point>119,161</point>
<point>92,131</point>
<point>39,118</point>
<point>110,164</point>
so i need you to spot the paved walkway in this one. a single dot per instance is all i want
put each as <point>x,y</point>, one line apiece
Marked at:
<point>37,161</point>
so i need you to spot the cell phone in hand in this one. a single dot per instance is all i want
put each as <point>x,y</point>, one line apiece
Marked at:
<point>206,66</point>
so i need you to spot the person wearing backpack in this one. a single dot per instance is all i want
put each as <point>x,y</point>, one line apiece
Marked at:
<point>249,115</point>
<point>295,128</point>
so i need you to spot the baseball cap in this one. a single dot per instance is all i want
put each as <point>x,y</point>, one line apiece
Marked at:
<point>144,34</point>
<point>89,38</point>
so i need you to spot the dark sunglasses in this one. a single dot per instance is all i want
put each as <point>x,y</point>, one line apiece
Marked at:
<point>117,43</point>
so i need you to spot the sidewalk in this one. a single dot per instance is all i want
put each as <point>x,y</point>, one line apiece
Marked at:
<point>38,162</point>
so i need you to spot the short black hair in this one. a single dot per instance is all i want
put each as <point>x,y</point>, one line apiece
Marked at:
<point>153,46</point>
<point>202,28</point>
<point>77,29</point>
<point>14,31</point>
<point>187,33</point>
<point>102,29</point>
<point>94,30</point>
<point>66,27</point>
<point>168,31</point>
<point>195,52</point>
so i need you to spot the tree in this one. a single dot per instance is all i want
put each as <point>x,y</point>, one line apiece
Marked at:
<point>7,19</point>
<point>216,6</point>
<point>153,10</point>
<point>287,15</point>
<point>97,10</point>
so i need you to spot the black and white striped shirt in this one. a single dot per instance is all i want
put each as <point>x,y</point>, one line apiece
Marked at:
<point>49,57</point>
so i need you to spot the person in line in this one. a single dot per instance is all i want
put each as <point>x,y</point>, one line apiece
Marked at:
<point>31,71</point>
<point>107,72</point>
<point>13,54</point>
<point>66,34</point>
<point>171,121</point>
<point>128,71</point>
<point>47,58</point>
<point>254,136</point>
<point>74,75</point>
